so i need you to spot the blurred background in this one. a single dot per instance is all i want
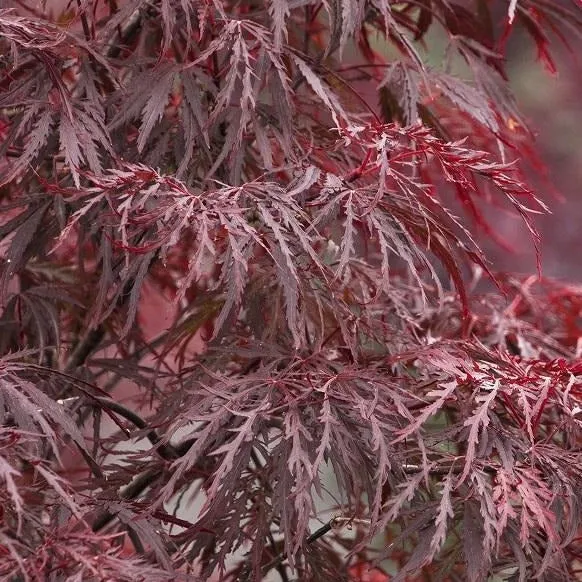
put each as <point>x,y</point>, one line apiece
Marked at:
<point>552,105</point>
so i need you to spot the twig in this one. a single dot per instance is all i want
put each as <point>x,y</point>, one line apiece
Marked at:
<point>167,451</point>
<point>279,567</point>
<point>82,350</point>
<point>442,470</point>
<point>335,522</point>
<point>118,39</point>
<point>84,22</point>
<point>139,484</point>
<point>139,548</point>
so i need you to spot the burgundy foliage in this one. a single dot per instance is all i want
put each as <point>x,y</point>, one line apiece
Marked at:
<point>304,195</point>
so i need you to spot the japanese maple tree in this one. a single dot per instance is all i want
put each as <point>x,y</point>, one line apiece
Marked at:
<point>345,388</point>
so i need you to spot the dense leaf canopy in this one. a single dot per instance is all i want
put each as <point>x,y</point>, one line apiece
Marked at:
<point>303,194</point>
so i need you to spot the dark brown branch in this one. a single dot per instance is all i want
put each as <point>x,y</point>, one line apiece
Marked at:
<point>334,522</point>
<point>84,22</point>
<point>442,470</point>
<point>166,451</point>
<point>84,348</point>
<point>279,567</point>
<point>131,491</point>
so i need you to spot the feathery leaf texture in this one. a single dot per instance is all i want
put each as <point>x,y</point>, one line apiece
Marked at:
<point>309,213</point>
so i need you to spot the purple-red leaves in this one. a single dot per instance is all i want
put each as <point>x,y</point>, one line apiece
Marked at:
<point>246,234</point>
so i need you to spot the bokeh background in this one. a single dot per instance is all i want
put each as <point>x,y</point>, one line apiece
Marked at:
<point>552,104</point>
